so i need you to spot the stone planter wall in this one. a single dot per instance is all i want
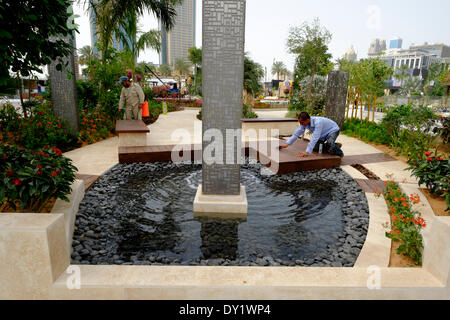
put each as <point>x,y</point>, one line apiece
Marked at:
<point>35,248</point>
<point>34,264</point>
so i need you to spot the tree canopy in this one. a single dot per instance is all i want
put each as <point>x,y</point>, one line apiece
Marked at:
<point>28,35</point>
<point>253,72</point>
<point>309,43</point>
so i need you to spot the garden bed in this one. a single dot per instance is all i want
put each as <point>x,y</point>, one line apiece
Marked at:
<point>46,208</point>
<point>437,203</point>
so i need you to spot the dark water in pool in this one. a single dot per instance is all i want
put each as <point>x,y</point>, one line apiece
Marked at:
<point>286,220</point>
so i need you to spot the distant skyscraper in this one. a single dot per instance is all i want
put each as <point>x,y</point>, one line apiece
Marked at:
<point>116,44</point>
<point>351,55</point>
<point>176,42</point>
<point>395,43</point>
<point>376,47</point>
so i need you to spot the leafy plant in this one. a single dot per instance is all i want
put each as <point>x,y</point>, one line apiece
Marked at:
<point>247,113</point>
<point>26,34</point>
<point>406,224</point>
<point>410,129</point>
<point>367,131</point>
<point>29,179</point>
<point>434,173</point>
<point>41,128</point>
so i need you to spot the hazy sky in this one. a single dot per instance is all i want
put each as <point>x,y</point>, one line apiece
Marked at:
<point>351,22</point>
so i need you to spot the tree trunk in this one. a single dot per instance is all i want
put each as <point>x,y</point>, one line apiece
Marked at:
<point>64,91</point>
<point>373,108</point>
<point>350,98</point>
<point>19,79</point>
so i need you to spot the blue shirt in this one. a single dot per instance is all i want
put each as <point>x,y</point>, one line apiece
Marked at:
<point>320,128</point>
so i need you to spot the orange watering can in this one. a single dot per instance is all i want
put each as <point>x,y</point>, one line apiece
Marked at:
<point>145,111</point>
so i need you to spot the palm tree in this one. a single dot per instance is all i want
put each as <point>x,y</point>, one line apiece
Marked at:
<point>285,73</point>
<point>165,70</point>
<point>253,72</point>
<point>181,67</point>
<point>86,55</point>
<point>135,40</point>
<point>111,14</point>
<point>278,68</point>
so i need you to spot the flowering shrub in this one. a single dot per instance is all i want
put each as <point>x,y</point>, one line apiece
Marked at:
<point>406,224</point>
<point>181,102</point>
<point>94,126</point>
<point>161,91</point>
<point>29,179</point>
<point>433,172</point>
<point>40,128</point>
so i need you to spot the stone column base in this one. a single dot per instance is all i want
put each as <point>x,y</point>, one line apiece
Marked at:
<point>221,206</point>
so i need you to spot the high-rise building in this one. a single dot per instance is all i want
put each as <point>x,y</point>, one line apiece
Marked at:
<point>351,55</point>
<point>176,42</point>
<point>396,43</point>
<point>376,47</point>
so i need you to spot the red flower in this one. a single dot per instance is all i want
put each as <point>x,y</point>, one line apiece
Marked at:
<point>39,173</point>
<point>54,173</point>
<point>5,155</point>
<point>429,159</point>
<point>439,159</point>
<point>428,154</point>
<point>41,153</point>
<point>39,166</point>
<point>17,182</point>
<point>9,172</point>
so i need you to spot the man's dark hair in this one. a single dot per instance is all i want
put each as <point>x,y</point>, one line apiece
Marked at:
<point>304,116</point>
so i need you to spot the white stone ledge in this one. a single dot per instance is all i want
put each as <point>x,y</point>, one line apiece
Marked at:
<point>377,247</point>
<point>205,283</point>
<point>70,210</point>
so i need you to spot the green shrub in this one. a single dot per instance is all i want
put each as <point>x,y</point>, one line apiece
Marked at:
<point>434,173</point>
<point>410,129</point>
<point>29,179</point>
<point>87,91</point>
<point>247,113</point>
<point>94,126</point>
<point>365,130</point>
<point>40,128</point>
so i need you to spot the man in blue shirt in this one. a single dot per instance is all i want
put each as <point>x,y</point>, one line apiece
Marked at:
<point>325,131</point>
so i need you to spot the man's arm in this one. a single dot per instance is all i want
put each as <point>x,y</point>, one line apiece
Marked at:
<point>300,130</point>
<point>122,99</point>
<point>315,138</point>
<point>141,94</point>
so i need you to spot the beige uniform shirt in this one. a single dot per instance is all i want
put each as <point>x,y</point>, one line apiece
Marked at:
<point>131,97</point>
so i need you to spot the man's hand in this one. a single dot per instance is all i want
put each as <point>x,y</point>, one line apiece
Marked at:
<point>141,106</point>
<point>284,146</point>
<point>303,154</point>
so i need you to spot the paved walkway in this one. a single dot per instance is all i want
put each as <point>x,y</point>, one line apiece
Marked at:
<point>183,127</point>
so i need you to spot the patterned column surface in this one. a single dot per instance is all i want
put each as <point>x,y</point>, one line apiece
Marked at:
<point>337,88</point>
<point>223,72</point>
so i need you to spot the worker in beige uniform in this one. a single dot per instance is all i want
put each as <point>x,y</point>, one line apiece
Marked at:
<point>132,98</point>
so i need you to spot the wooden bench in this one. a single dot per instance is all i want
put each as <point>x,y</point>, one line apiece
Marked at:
<point>132,133</point>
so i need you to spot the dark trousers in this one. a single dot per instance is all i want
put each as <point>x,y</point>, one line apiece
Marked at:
<point>329,144</point>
